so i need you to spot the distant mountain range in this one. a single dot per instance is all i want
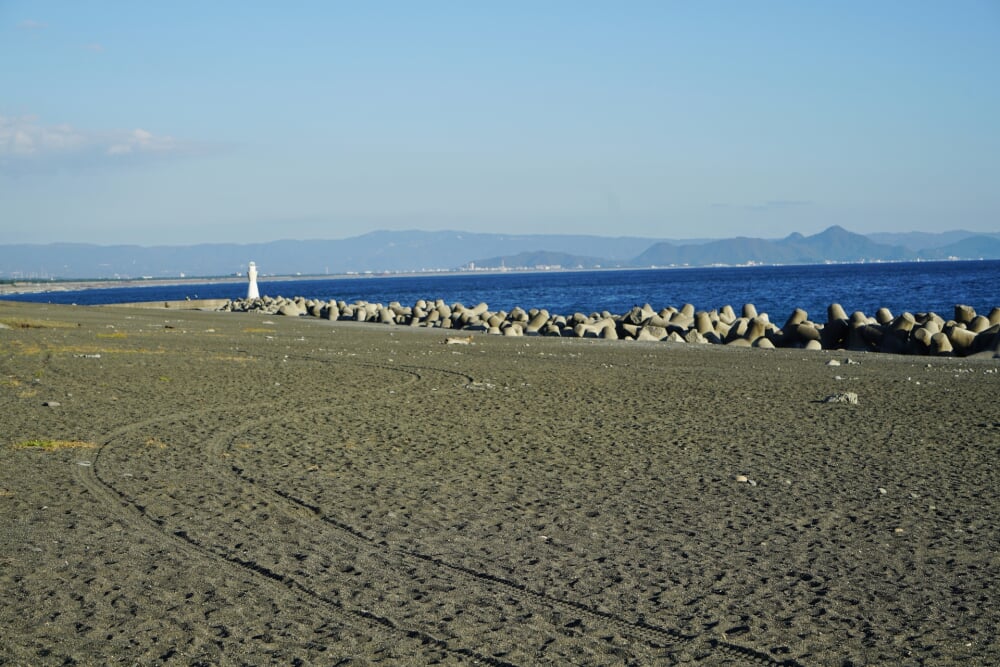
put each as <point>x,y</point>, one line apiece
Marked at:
<point>416,251</point>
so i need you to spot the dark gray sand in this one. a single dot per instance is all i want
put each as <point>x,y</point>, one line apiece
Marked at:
<point>208,488</point>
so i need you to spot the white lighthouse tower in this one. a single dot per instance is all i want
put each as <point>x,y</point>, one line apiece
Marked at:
<point>252,292</point>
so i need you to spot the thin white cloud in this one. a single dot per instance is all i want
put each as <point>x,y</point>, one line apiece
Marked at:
<point>94,47</point>
<point>24,139</point>
<point>141,141</point>
<point>29,24</point>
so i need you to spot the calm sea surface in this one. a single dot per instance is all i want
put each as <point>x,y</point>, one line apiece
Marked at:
<point>776,290</point>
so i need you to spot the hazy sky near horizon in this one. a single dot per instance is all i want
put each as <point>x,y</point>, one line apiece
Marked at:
<point>184,122</point>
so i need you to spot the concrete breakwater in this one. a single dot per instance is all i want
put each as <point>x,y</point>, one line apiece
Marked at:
<point>967,333</point>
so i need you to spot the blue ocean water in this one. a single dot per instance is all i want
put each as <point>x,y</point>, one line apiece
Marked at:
<point>776,290</point>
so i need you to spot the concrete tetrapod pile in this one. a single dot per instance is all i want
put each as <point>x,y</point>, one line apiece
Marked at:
<point>927,333</point>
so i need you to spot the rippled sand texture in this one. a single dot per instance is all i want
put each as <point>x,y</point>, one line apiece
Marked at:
<point>259,491</point>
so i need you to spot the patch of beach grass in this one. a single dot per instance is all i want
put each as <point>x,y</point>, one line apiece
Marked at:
<point>20,347</point>
<point>117,334</point>
<point>223,357</point>
<point>15,383</point>
<point>24,348</point>
<point>31,323</point>
<point>53,445</point>
<point>258,330</point>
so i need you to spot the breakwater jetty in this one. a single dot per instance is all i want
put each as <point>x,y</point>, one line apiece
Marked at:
<point>966,333</point>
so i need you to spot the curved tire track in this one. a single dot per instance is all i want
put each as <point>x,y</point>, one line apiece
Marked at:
<point>133,512</point>
<point>657,637</point>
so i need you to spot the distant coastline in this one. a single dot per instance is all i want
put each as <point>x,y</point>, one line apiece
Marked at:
<point>55,285</point>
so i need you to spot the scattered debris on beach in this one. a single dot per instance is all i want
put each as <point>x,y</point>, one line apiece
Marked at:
<point>458,340</point>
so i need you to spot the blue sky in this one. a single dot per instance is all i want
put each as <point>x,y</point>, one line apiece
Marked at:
<point>183,122</point>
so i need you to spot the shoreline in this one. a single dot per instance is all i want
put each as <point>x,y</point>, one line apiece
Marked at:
<point>925,331</point>
<point>967,334</point>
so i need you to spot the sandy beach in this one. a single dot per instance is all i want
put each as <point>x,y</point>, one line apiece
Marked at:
<point>195,488</point>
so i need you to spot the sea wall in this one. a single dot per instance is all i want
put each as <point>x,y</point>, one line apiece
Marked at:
<point>967,333</point>
<point>186,304</point>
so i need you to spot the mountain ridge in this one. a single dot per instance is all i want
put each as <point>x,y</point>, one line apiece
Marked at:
<point>382,251</point>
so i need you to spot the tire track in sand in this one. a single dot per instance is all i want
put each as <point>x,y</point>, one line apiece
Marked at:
<point>657,637</point>
<point>134,514</point>
<point>282,584</point>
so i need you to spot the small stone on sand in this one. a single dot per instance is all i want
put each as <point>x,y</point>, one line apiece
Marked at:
<point>847,397</point>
